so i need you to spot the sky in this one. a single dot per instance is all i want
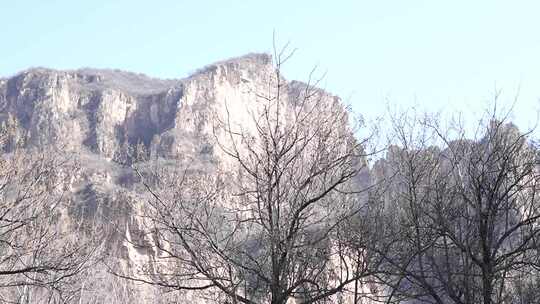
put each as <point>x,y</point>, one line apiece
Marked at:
<point>434,55</point>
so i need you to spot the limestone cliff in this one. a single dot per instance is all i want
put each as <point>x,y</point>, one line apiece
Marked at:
<point>98,115</point>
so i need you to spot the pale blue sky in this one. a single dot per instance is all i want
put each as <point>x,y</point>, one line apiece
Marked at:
<point>428,53</point>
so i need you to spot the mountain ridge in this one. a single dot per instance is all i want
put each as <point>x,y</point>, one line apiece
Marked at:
<point>111,74</point>
<point>102,114</point>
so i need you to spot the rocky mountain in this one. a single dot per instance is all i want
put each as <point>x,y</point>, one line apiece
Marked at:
<point>100,111</point>
<point>101,115</point>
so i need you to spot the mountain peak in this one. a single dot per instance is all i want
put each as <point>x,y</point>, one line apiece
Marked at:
<point>248,62</point>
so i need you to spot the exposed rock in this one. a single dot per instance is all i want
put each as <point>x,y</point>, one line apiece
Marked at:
<point>98,114</point>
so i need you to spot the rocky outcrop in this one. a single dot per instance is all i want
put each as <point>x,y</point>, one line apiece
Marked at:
<point>103,111</point>
<point>100,115</point>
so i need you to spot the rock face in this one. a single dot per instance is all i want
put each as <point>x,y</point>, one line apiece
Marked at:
<point>102,111</point>
<point>99,114</point>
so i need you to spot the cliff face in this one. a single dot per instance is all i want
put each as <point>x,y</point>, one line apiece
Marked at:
<point>98,115</point>
<point>102,111</point>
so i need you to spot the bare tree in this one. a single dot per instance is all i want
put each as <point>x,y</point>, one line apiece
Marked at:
<point>464,212</point>
<point>271,227</point>
<point>40,255</point>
